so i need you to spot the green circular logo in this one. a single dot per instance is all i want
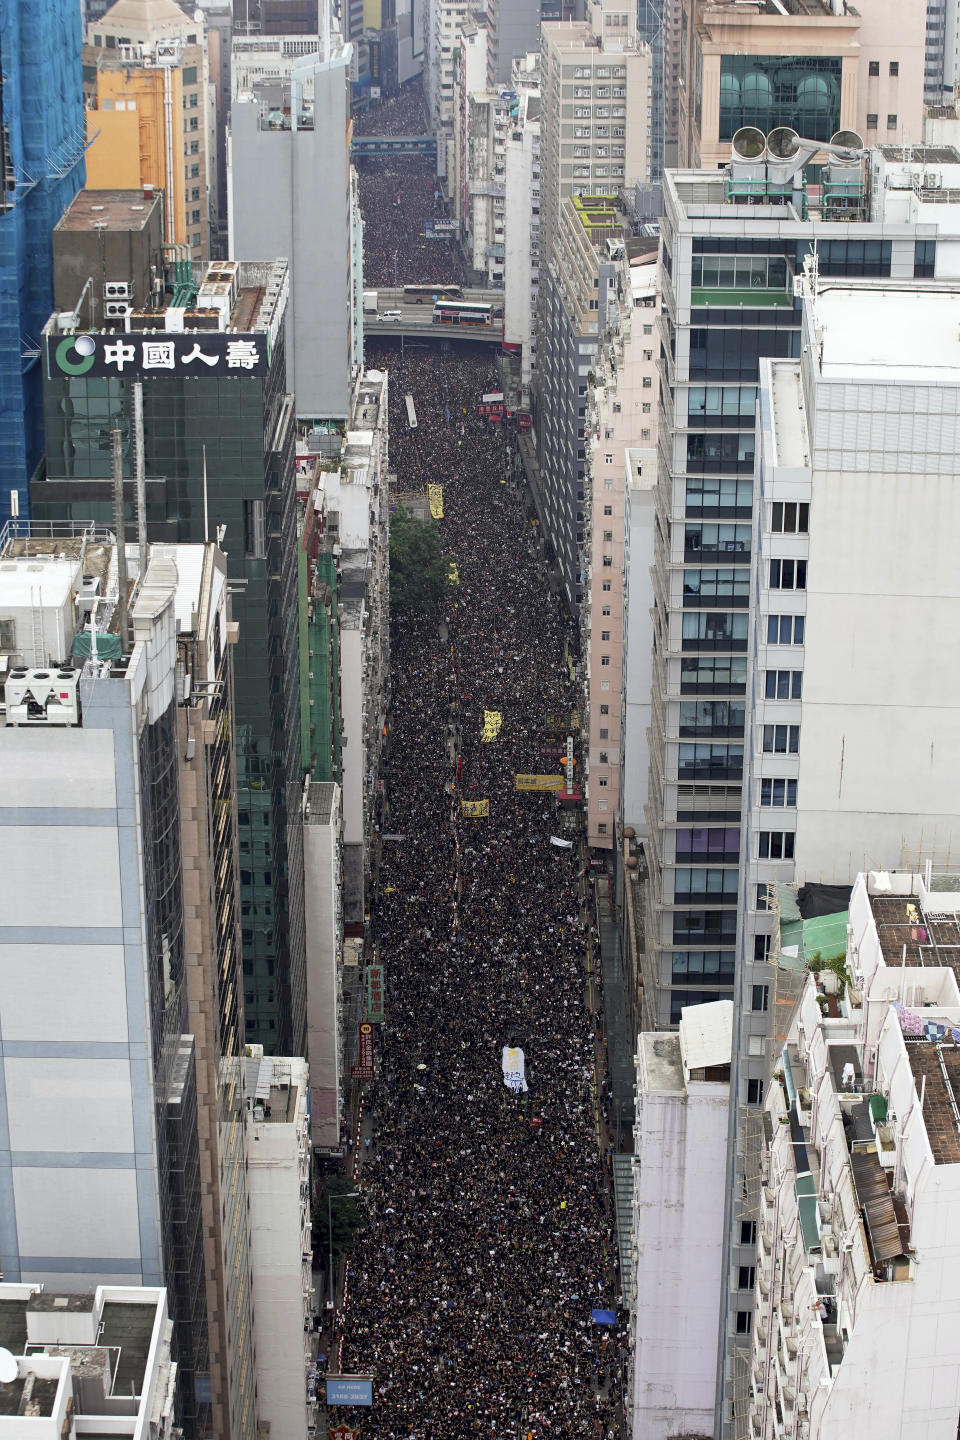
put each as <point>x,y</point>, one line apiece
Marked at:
<point>81,346</point>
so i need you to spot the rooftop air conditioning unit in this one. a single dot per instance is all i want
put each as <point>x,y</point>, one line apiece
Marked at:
<point>115,309</point>
<point>117,290</point>
<point>43,697</point>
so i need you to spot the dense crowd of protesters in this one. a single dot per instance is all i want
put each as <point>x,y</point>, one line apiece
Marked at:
<point>488,1236</point>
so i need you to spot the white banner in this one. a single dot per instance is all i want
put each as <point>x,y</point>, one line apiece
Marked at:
<point>561,844</point>
<point>514,1075</point>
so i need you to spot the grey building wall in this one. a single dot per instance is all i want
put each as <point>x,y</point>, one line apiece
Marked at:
<point>517,31</point>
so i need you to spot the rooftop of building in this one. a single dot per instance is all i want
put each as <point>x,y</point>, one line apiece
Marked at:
<point>923,154</point>
<point>787,413</point>
<point>888,334</point>
<point>123,210</point>
<point>321,798</point>
<point>274,1087</point>
<point>749,10</point>
<point>909,934</point>
<point>936,1072</point>
<point>145,20</point>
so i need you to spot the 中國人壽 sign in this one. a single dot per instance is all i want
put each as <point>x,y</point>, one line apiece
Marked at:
<point>203,352</point>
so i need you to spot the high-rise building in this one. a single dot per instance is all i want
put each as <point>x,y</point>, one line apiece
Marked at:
<point>102,1178</point>
<point>728,302</point>
<point>856,1256</point>
<point>326,1013</point>
<point>148,113</point>
<point>577,293</point>
<point>292,193</point>
<point>278,1144</point>
<point>521,203</point>
<point>477,159</point>
<point>602,69</point>
<point>218,452</point>
<point>41,148</point>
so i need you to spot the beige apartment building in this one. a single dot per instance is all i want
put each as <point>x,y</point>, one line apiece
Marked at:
<point>595,87</point>
<point>812,67</point>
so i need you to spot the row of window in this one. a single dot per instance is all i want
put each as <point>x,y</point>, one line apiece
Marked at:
<point>699,883</point>
<point>714,630</point>
<point>720,843</point>
<point>783,684</point>
<point>703,964</point>
<point>788,574</point>
<point>785,629</point>
<point>705,586</point>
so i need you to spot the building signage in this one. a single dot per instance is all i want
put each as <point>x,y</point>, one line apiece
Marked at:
<point>131,353</point>
<point>349,1390</point>
<point>538,782</point>
<point>375,993</point>
<point>363,1070</point>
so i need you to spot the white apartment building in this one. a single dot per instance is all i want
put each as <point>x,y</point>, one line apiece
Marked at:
<point>278,1184</point>
<point>323,873</point>
<point>521,268</point>
<point>444,19</point>
<point>358,516</point>
<point>640,467</point>
<point>469,78</point>
<point>858,1259</point>
<point>857,480</point>
<point>680,1142</point>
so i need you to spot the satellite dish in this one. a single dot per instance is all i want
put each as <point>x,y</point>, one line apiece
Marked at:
<point>8,1367</point>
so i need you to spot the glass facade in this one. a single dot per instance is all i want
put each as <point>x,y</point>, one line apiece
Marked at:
<point>802,91</point>
<point>241,428</point>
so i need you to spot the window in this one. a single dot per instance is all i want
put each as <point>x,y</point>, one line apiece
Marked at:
<point>783,684</point>
<point>781,739</point>
<point>790,517</point>
<point>754,1097</point>
<point>924,259</point>
<point>607,562</point>
<point>743,1316</point>
<point>644,434</point>
<point>776,844</point>
<point>254,532</point>
<point>608,509</point>
<point>788,574</point>
<point>602,828</point>
<point>778,792</point>
<point>604,732</point>
<point>647,407</point>
<point>872,119</point>
<point>761,948</point>
<point>604,782</point>
<point>801,91</point>
<point>699,883</point>
<point>606,585</point>
<point>874,68</point>
<point>647,383</point>
<point>708,761</point>
<point>785,629</point>
<point>604,634</point>
<point>762,898</point>
<point>748,1232</point>
<point>746,1274</point>
<point>891,122</point>
<point>604,659</point>
<point>894,67</point>
<point>608,537</point>
<point>604,709</point>
<point>759,1001</point>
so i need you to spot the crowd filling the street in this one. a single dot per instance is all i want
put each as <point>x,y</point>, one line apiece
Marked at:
<point>488,1241</point>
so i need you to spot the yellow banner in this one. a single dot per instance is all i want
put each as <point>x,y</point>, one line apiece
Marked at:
<point>477,808</point>
<point>492,720</point>
<point>453,573</point>
<point>539,782</point>
<point>435,496</point>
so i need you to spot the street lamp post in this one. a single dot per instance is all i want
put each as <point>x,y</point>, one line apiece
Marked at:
<point>349,1195</point>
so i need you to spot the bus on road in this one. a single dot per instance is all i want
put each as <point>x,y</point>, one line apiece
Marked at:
<point>416,294</point>
<point>462,312</point>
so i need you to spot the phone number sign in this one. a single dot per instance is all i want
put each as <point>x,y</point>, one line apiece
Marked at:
<point>204,352</point>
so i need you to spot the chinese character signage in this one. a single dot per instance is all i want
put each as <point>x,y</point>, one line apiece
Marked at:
<point>539,782</point>
<point>477,809</point>
<point>201,352</point>
<point>375,993</point>
<point>363,1070</point>
<point>435,497</point>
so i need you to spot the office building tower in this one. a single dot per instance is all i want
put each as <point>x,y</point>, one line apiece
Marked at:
<point>83,1361</point>
<point>680,1142</point>
<point>856,1252</point>
<point>218,28</point>
<point>278,1181</point>
<point>600,67</point>
<point>102,1165</point>
<point>521,266</point>
<point>321,723</point>
<point>291,193</point>
<point>148,114</point>
<point>728,302</point>
<point>41,149</point>
<point>218,451</point>
<point>821,69</point>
